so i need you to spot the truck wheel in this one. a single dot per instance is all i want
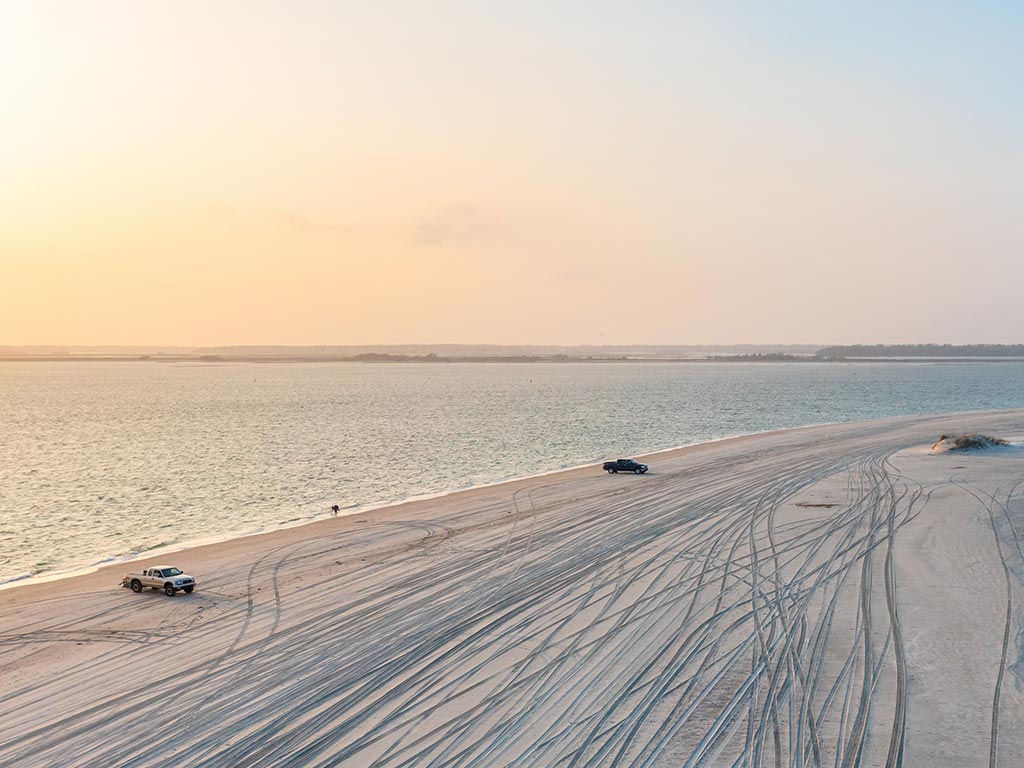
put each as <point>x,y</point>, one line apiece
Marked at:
<point>169,590</point>
<point>636,471</point>
<point>136,585</point>
<point>187,590</point>
<point>611,471</point>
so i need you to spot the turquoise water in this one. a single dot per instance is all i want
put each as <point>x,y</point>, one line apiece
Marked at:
<point>104,460</point>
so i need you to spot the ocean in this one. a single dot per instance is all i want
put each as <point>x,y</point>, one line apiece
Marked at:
<point>103,461</point>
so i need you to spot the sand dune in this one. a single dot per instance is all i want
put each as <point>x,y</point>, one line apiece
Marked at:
<point>826,596</point>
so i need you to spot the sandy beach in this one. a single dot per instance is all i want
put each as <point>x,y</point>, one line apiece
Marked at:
<point>833,595</point>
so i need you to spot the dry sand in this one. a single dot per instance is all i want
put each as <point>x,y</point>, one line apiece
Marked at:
<point>826,596</point>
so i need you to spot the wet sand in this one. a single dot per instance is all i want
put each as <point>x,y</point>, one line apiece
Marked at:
<point>824,596</point>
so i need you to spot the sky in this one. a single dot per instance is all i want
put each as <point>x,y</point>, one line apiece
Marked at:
<point>198,173</point>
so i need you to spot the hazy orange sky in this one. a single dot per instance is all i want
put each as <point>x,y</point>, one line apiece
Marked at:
<point>345,173</point>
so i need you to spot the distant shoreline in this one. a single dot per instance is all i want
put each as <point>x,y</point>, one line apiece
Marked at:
<point>516,353</point>
<point>507,359</point>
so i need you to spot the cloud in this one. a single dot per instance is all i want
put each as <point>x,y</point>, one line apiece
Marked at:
<point>302,223</point>
<point>220,211</point>
<point>581,272</point>
<point>446,226</point>
<point>452,225</point>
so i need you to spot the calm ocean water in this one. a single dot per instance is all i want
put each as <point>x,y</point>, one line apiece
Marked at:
<point>104,460</point>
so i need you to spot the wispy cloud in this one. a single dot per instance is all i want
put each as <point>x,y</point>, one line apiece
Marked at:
<point>445,226</point>
<point>285,218</point>
<point>303,223</point>
<point>453,225</point>
<point>581,272</point>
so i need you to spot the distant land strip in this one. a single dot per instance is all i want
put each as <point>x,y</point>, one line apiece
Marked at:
<point>922,350</point>
<point>481,354</point>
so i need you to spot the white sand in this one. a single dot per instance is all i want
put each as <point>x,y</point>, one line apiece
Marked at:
<point>832,595</point>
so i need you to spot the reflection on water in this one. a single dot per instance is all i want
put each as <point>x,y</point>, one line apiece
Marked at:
<point>103,459</point>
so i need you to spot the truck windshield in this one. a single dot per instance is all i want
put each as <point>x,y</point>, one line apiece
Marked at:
<point>171,572</point>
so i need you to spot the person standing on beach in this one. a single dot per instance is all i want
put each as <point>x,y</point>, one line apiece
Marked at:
<point>335,509</point>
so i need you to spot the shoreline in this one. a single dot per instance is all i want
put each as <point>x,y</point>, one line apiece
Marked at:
<point>107,565</point>
<point>524,360</point>
<point>176,548</point>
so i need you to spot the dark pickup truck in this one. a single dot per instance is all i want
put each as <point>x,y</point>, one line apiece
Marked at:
<point>624,465</point>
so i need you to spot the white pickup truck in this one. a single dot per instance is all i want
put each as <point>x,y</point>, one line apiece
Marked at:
<point>165,577</point>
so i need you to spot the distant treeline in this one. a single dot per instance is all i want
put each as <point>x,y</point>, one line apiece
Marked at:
<point>922,350</point>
